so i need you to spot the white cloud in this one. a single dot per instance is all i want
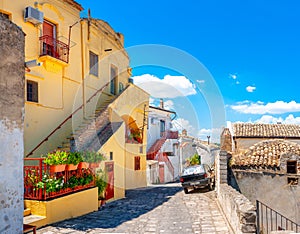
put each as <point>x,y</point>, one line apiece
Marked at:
<point>168,87</point>
<point>278,107</point>
<point>169,105</point>
<point>233,76</point>
<point>201,81</point>
<point>290,119</point>
<point>250,89</point>
<point>151,101</point>
<point>213,133</point>
<point>181,124</point>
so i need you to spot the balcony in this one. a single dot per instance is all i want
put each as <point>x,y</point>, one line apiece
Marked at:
<point>42,183</point>
<point>170,134</point>
<point>49,46</point>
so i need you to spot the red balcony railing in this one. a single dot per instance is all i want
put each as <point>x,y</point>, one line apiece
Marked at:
<point>54,48</point>
<point>40,183</point>
<point>171,134</point>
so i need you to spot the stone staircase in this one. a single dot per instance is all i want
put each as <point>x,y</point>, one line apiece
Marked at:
<point>86,136</point>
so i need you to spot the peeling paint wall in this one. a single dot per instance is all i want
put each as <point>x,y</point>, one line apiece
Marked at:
<point>11,127</point>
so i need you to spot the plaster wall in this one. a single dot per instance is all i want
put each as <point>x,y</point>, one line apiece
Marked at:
<point>62,87</point>
<point>271,189</point>
<point>116,145</point>
<point>66,207</point>
<point>11,127</point>
<point>154,125</point>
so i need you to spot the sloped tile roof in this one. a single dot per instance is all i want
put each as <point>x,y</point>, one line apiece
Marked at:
<point>266,130</point>
<point>74,4</point>
<point>265,153</point>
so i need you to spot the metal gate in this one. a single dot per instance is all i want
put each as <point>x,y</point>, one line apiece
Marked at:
<point>270,220</point>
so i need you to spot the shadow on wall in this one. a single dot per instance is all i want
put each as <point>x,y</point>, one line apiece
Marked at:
<point>120,211</point>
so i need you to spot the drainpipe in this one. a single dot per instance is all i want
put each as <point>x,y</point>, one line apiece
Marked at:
<point>82,71</point>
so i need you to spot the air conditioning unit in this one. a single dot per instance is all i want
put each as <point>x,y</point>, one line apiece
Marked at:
<point>33,16</point>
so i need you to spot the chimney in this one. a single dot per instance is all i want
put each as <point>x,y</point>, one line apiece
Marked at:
<point>161,103</point>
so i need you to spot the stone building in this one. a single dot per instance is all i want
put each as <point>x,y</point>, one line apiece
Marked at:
<point>77,90</point>
<point>11,126</point>
<point>265,164</point>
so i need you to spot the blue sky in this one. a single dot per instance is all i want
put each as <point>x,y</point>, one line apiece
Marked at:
<point>250,48</point>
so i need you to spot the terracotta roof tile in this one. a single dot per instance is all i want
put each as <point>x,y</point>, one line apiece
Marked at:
<point>266,130</point>
<point>265,153</point>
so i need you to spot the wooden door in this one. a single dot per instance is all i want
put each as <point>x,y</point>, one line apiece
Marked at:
<point>49,37</point>
<point>161,173</point>
<point>109,192</point>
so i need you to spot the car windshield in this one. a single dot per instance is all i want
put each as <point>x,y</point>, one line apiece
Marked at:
<point>193,170</point>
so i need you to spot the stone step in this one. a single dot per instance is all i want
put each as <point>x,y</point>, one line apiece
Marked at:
<point>33,219</point>
<point>27,212</point>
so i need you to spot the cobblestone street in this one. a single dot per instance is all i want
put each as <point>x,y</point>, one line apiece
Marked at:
<point>157,209</point>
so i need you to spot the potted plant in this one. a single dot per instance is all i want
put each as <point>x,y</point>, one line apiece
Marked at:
<point>51,183</point>
<point>136,135</point>
<point>101,183</point>
<point>56,160</point>
<point>74,158</point>
<point>93,158</point>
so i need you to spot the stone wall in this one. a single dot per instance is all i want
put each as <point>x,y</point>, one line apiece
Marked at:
<point>11,127</point>
<point>239,211</point>
<point>271,189</point>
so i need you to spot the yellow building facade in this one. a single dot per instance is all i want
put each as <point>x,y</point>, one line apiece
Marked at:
<point>76,67</point>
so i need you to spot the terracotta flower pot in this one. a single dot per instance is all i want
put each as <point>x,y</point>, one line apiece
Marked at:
<point>57,168</point>
<point>83,165</point>
<point>71,167</point>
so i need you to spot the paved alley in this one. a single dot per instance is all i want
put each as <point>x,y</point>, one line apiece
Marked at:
<point>157,209</point>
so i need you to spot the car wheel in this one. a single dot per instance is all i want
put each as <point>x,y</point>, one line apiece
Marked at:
<point>186,191</point>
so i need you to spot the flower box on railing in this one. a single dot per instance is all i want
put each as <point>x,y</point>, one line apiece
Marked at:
<point>71,167</point>
<point>83,165</point>
<point>57,168</point>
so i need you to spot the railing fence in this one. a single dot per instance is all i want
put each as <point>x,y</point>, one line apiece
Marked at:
<point>269,220</point>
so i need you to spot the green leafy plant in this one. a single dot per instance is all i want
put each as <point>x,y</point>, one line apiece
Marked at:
<point>56,158</point>
<point>51,184</point>
<point>86,178</point>
<point>74,158</point>
<point>73,181</point>
<point>136,135</point>
<point>194,160</point>
<point>93,157</point>
<point>101,183</point>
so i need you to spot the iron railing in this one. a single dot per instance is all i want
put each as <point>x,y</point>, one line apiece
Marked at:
<point>54,48</point>
<point>41,183</point>
<point>270,220</point>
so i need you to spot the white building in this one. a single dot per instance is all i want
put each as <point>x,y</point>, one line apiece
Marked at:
<point>162,146</point>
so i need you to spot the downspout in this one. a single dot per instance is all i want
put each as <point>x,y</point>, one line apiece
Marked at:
<point>82,71</point>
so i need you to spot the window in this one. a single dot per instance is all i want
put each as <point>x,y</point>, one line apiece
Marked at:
<point>113,80</point>
<point>162,127</point>
<point>291,167</point>
<point>93,64</point>
<point>32,91</point>
<point>137,163</point>
<point>111,156</point>
<point>121,87</point>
